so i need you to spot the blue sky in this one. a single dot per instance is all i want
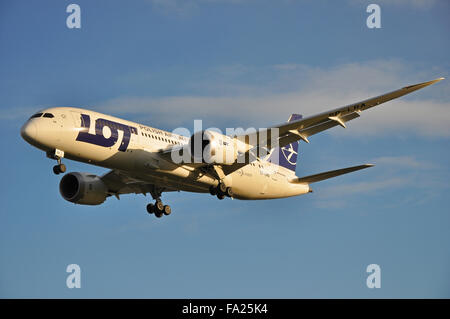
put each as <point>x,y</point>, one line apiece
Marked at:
<point>233,63</point>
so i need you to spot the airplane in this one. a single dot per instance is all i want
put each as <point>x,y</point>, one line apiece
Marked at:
<point>141,161</point>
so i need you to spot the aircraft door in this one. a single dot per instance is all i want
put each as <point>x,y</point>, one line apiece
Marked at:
<point>76,118</point>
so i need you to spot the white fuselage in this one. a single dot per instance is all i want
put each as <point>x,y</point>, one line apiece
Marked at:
<point>134,150</point>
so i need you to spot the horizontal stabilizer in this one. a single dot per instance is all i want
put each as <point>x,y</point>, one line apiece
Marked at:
<point>326,175</point>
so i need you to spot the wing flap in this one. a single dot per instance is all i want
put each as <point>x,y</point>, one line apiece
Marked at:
<point>295,135</point>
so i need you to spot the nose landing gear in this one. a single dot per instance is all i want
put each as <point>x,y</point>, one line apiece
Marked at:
<point>60,168</point>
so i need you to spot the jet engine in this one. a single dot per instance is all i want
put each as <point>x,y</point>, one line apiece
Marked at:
<point>213,148</point>
<point>83,188</point>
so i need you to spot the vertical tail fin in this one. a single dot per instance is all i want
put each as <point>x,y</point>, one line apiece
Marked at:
<point>286,156</point>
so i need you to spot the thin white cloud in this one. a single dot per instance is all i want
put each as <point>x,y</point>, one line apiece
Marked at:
<point>333,197</point>
<point>392,173</point>
<point>362,187</point>
<point>420,118</point>
<point>283,89</point>
<point>239,95</point>
<point>403,161</point>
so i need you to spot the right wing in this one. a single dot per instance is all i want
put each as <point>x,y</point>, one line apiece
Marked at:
<point>119,183</point>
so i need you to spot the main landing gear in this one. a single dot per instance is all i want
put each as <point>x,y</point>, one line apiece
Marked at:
<point>159,209</point>
<point>221,191</point>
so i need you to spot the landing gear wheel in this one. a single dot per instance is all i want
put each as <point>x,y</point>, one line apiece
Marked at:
<point>159,206</point>
<point>60,168</point>
<point>221,188</point>
<point>167,210</point>
<point>56,169</point>
<point>160,209</point>
<point>221,191</point>
<point>213,190</point>
<point>150,208</point>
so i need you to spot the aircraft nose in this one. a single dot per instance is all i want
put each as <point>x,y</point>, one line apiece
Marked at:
<point>29,132</point>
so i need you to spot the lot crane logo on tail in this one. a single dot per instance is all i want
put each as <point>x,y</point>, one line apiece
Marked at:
<point>290,153</point>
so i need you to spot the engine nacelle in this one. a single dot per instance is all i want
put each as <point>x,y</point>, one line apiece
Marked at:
<point>213,148</point>
<point>83,188</point>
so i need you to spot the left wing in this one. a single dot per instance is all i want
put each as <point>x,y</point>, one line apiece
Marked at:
<point>308,126</point>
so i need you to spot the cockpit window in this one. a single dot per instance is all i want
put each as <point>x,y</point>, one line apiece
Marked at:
<point>50,115</point>
<point>36,115</point>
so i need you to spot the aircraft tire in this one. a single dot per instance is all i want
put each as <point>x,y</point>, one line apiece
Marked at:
<point>159,206</point>
<point>221,188</point>
<point>150,208</point>
<point>56,169</point>
<point>213,190</point>
<point>167,210</point>
<point>62,168</point>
